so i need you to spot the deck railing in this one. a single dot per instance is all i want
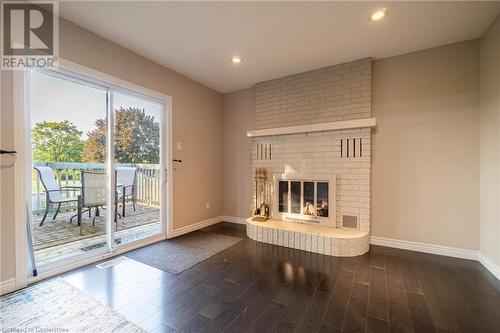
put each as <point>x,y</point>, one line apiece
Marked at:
<point>69,174</point>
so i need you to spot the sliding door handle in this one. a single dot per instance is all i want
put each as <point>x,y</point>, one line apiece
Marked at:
<point>11,152</point>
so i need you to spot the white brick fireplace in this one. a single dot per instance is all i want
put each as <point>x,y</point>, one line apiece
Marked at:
<point>312,127</point>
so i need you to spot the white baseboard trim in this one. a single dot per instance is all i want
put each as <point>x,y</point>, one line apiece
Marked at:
<point>440,250</point>
<point>7,286</point>
<point>425,247</point>
<point>489,265</point>
<point>233,219</point>
<point>207,223</point>
<point>195,226</point>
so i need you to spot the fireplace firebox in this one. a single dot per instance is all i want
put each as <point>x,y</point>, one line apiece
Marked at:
<point>307,200</point>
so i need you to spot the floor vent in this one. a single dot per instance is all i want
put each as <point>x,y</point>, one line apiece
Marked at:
<point>350,221</point>
<point>112,262</point>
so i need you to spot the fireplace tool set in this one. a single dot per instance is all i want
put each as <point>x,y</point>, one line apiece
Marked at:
<point>262,195</point>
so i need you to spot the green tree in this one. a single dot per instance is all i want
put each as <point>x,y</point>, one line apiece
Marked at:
<point>56,142</point>
<point>94,148</point>
<point>137,138</point>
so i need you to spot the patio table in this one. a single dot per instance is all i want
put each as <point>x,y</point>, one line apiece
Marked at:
<point>118,185</point>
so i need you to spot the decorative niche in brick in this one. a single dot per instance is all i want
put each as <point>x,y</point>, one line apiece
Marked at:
<point>351,147</point>
<point>264,151</point>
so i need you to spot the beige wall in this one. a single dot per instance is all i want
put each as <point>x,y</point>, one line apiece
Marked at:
<point>490,145</point>
<point>425,175</point>
<point>197,123</point>
<point>237,118</point>
<point>197,119</point>
<point>7,260</point>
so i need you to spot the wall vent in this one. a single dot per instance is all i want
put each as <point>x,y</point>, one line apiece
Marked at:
<point>350,221</point>
<point>110,263</point>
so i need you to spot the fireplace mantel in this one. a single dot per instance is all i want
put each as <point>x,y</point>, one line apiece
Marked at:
<point>331,126</point>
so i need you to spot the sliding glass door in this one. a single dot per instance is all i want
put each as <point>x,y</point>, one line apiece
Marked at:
<point>65,112</point>
<point>98,167</point>
<point>137,156</point>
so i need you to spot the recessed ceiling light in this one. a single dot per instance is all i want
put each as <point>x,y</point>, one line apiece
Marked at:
<point>378,14</point>
<point>236,59</point>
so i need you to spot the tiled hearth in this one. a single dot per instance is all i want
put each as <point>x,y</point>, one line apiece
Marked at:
<point>318,239</point>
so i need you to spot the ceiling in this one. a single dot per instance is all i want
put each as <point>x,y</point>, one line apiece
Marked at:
<point>275,39</point>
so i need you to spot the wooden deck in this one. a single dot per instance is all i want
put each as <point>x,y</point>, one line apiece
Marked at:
<point>57,239</point>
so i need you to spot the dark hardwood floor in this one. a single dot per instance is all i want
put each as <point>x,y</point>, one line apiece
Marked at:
<point>256,287</point>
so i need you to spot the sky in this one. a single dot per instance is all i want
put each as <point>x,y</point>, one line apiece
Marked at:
<point>54,99</point>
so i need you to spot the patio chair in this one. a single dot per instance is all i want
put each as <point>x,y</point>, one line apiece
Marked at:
<point>53,192</point>
<point>126,188</point>
<point>93,194</point>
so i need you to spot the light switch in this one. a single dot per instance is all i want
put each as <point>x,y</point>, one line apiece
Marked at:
<point>179,146</point>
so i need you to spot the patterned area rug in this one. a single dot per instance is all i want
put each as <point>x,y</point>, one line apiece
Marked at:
<point>56,306</point>
<point>178,254</point>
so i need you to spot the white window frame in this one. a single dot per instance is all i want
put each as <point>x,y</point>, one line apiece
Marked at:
<point>22,169</point>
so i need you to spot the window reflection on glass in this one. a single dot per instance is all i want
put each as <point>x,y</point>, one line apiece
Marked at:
<point>283,196</point>
<point>309,199</point>
<point>137,157</point>
<point>295,197</point>
<point>322,199</point>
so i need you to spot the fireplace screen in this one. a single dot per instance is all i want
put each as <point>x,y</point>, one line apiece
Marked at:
<point>295,201</point>
<point>304,198</point>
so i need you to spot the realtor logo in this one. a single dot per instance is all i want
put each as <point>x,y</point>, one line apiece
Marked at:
<point>29,34</point>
